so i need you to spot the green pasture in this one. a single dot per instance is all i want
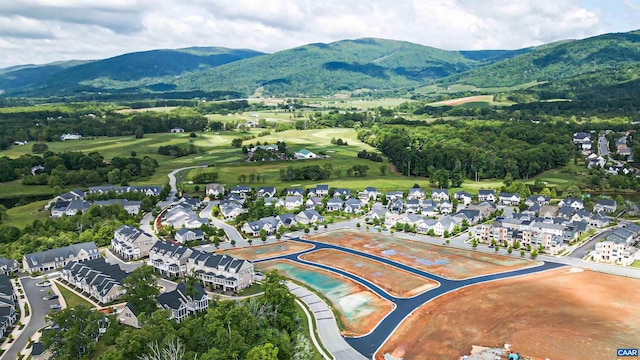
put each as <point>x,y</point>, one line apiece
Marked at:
<point>21,216</point>
<point>71,299</point>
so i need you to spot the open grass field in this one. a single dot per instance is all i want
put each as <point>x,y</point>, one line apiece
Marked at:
<point>21,216</point>
<point>561,314</point>
<point>385,276</point>
<point>259,252</point>
<point>439,260</point>
<point>155,109</point>
<point>72,299</point>
<point>359,308</point>
<point>478,101</point>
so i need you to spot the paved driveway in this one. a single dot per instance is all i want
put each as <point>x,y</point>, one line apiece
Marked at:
<point>583,250</point>
<point>39,309</point>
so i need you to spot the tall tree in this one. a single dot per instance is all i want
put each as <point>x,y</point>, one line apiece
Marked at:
<point>79,331</point>
<point>142,289</point>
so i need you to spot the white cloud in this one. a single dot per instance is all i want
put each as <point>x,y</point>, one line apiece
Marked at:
<point>36,31</point>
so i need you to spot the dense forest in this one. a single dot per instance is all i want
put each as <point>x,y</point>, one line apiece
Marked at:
<point>74,168</point>
<point>266,327</point>
<point>473,148</point>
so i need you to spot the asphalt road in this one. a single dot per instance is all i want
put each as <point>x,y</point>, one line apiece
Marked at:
<point>39,309</point>
<point>583,250</point>
<point>232,233</point>
<point>603,146</point>
<point>369,344</point>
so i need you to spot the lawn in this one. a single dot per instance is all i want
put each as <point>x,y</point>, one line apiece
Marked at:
<point>636,264</point>
<point>71,298</point>
<point>22,216</point>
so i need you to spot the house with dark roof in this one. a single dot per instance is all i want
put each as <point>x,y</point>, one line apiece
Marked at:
<point>241,191</point>
<point>168,259</point>
<point>269,191</point>
<point>313,203</point>
<point>413,205</point>
<point>131,243</point>
<point>319,190</point>
<point>130,206</point>
<point>509,198</point>
<point>57,258</point>
<point>38,352</point>
<point>97,278</point>
<point>392,195</point>
<point>440,195</point>
<point>487,195</point>
<point>335,204</point>
<point>253,228</point>
<point>183,235</point>
<point>295,192</point>
<point>353,206</point>
<point>369,193</point>
<point>341,193</point>
<point>463,197</point>
<point>221,271</point>
<point>292,202</point>
<point>231,209</point>
<point>537,199</point>
<point>416,193</point>
<point>287,220</point>
<point>9,266</point>
<point>129,316</point>
<point>184,301</point>
<point>606,205</point>
<point>571,202</point>
<point>8,303</point>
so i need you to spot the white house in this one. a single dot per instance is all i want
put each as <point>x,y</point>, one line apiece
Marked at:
<point>304,154</point>
<point>605,205</point>
<point>463,197</point>
<point>70,137</point>
<point>487,195</point>
<point>183,235</point>
<point>292,202</point>
<point>572,202</point>
<point>440,195</point>
<point>509,198</point>
<point>335,204</point>
<point>309,217</point>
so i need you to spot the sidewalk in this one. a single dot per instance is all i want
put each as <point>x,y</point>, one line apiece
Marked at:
<point>23,319</point>
<point>327,327</point>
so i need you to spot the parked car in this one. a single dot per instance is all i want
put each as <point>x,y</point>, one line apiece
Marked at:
<point>50,297</point>
<point>43,284</point>
<point>55,307</point>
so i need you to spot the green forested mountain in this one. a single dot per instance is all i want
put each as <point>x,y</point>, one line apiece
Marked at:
<point>327,68</point>
<point>314,69</point>
<point>323,69</point>
<point>557,61</point>
<point>136,71</point>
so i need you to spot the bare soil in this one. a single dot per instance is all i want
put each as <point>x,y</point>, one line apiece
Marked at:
<point>444,261</point>
<point>565,314</point>
<point>396,282</point>
<point>259,252</point>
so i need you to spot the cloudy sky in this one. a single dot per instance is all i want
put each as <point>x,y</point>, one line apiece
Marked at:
<point>42,31</point>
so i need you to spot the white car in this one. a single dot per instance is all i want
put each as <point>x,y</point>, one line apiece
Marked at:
<point>43,284</point>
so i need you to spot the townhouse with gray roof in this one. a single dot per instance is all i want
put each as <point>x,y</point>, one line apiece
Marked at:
<point>185,300</point>
<point>9,266</point>
<point>97,278</point>
<point>148,190</point>
<point>8,305</point>
<point>606,205</point>
<point>131,243</point>
<point>221,271</point>
<point>57,258</point>
<point>309,217</point>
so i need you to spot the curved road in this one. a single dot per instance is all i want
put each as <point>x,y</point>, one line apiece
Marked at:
<point>367,345</point>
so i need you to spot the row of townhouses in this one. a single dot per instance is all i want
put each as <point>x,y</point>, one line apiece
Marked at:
<point>218,271</point>
<point>73,207</point>
<point>619,246</point>
<point>272,224</point>
<point>8,304</point>
<point>58,258</point>
<point>97,278</point>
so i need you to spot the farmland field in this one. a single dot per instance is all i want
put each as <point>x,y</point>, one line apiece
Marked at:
<point>360,310</point>
<point>439,260</point>
<point>566,314</point>
<point>396,282</point>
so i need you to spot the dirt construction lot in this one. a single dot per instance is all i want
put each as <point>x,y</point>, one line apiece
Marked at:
<point>359,308</point>
<point>259,252</point>
<point>439,260</point>
<point>395,281</point>
<point>566,314</point>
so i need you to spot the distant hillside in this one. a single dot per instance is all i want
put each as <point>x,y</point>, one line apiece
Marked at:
<point>556,61</point>
<point>347,65</point>
<point>134,70</point>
